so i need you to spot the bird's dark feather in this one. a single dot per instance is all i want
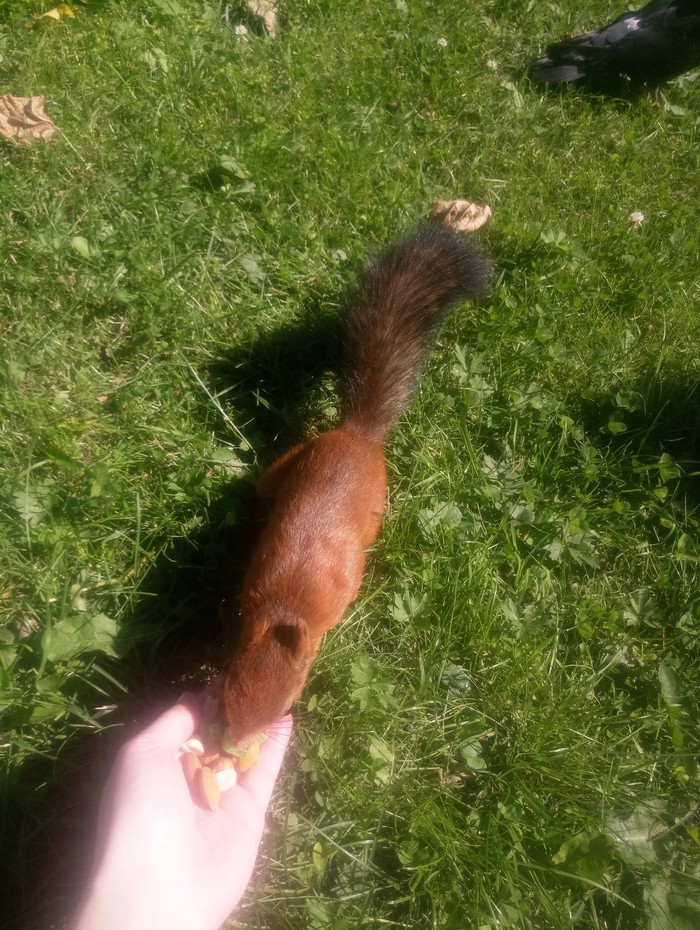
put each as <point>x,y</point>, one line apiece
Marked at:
<point>639,49</point>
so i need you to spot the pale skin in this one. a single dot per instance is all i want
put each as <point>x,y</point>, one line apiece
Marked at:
<point>162,860</point>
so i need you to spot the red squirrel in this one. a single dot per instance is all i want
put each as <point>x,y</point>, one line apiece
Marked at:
<point>327,495</point>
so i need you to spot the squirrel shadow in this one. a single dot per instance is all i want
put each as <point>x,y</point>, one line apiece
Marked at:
<point>273,383</point>
<point>174,639</point>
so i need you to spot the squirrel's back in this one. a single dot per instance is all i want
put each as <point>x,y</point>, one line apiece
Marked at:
<point>391,316</point>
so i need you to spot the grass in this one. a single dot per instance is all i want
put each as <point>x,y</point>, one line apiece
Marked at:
<point>503,732</point>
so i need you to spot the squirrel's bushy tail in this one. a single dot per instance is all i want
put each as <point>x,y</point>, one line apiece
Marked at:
<point>392,313</point>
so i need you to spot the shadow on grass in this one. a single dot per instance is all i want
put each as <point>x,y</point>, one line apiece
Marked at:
<point>273,383</point>
<point>619,94</point>
<point>665,420</point>
<point>175,639</point>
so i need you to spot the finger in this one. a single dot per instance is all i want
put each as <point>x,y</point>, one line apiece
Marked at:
<point>177,724</point>
<point>234,830</point>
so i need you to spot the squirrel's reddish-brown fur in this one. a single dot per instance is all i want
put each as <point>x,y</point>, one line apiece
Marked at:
<point>327,495</point>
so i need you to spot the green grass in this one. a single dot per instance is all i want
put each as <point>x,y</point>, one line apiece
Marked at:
<point>504,730</point>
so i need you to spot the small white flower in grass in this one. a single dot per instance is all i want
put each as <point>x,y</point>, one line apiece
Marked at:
<point>637,218</point>
<point>241,32</point>
<point>492,64</point>
<point>442,42</point>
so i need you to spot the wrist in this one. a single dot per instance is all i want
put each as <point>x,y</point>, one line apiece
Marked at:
<point>135,902</point>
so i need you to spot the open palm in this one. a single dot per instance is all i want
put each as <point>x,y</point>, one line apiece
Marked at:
<point>161,859</point>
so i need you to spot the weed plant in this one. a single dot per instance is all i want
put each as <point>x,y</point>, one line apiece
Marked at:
<point>503,732</point>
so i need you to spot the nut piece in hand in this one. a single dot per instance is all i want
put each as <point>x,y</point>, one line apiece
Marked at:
<point>461,216</point>
<point>226,778</point>
<point>223,762</point>
<point>208,787</point>
<point>245,757</point>
<point>191,765</point>
<point>193,745</point>
<point>244,762</point>
<point>211,762</point>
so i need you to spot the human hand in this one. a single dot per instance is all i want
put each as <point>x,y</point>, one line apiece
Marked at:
<point>162,861</point>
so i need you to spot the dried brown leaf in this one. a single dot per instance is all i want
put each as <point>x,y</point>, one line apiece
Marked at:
<point>460,215</point>
<point>267,11</point>
<point>23,119</point>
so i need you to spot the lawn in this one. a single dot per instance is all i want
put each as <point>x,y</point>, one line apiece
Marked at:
<point>503,732</point>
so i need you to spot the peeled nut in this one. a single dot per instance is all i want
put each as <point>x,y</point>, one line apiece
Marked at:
<point>193,745</point>
<point>223,762</point>
<point>226,778</point>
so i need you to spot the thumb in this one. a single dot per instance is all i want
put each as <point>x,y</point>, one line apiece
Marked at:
<point>172,728</point>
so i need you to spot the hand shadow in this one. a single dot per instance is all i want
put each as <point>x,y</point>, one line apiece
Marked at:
<point>172,641</point>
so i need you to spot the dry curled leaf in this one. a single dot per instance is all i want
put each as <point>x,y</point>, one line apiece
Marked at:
<point>267,11</point>
<point>58,11</point>
<point>23,118</point>
<point>460,215</point>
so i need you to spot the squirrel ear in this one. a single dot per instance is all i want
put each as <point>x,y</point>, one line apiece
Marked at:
<point>293,637</point>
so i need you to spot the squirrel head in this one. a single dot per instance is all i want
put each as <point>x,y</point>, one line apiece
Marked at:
<point>265,675</point>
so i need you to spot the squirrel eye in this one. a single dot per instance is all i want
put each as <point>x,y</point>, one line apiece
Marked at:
<point>292,637</point>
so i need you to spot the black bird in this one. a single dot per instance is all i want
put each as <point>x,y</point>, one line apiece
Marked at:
<point>641,49</point>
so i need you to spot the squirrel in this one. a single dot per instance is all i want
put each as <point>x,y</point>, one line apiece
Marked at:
<point>327,495</point>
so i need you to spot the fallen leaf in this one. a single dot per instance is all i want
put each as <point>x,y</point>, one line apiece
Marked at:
<point>78,633</point>
<point>249,263</point>
<point>460,215</point>
<point>24,626</point>
<point>81,246</point>
<point>267,11</point>
<point>58,11</point>
<point>28,505</point>
<point>23,118</point>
